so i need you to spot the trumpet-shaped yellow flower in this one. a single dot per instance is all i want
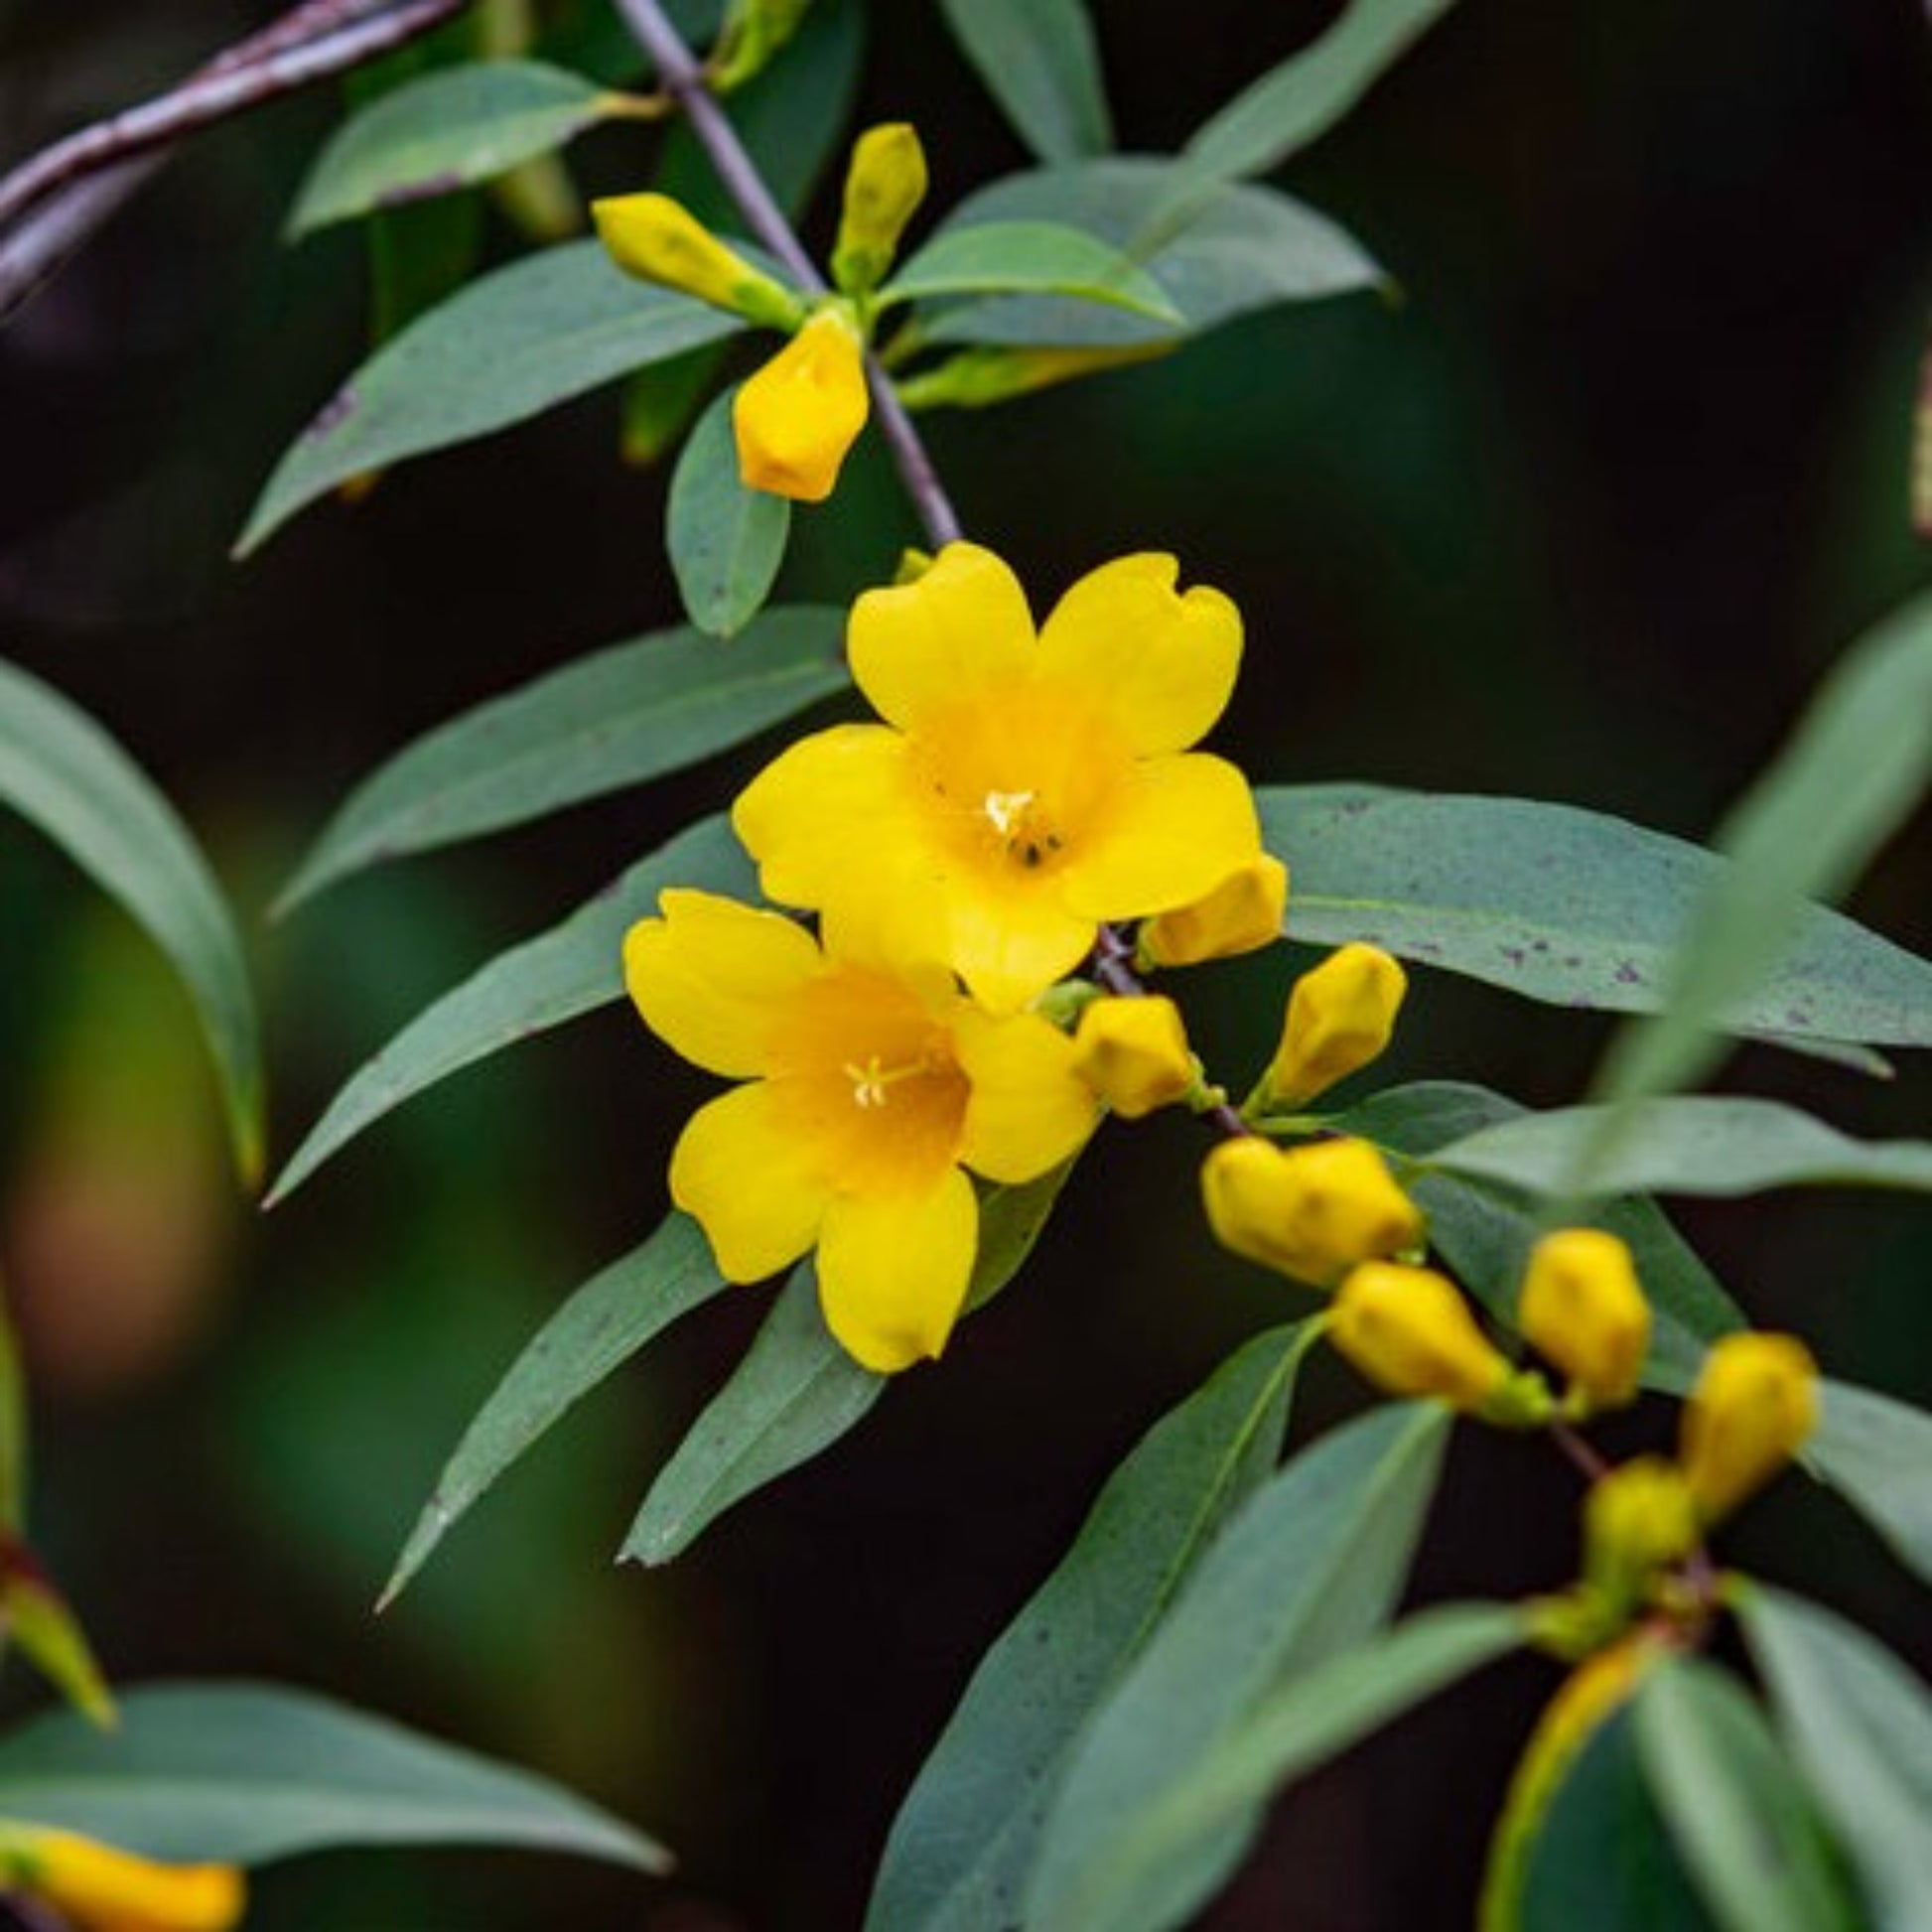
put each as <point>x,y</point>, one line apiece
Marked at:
<point>1241,914</point>
<point>1339,1018</point>
<point>1311,1212</point>
<point>796,418</point>
<point>1754,1406</point>
<point>873,1085</point>
<point>1584,1308</point>
<point>1025,788</point>
<point>1134,1053</point>
<point>97,1889</point>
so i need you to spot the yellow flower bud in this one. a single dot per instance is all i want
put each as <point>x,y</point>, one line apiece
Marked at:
<point>1636,1520</point>
<point>660,240</point>
<point>883,185</point>
<point>798,415</point>
<point>1410,1332</point>
<point>1311,1212</point>
<point>1339,1018</point>
<point>100,1889</point>
<point>1243,912</point>
<point>1583,1309</point>
<point>1755,1404</point>
<point>1133,1053</point>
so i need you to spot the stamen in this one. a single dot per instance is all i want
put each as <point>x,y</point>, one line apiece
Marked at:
<point>870,1082</point>
<point>1006,809</point>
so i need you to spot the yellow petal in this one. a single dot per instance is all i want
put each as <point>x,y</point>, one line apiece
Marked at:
<point>1010,947</point>
<point>1181,826</point>
<point>1164,664</point>
<point>1030,1109</point>
<point>893,1271</point>
<point>797,416</point>
<point>711,975</point>
<point>922,648</point>
<point>749,1182</point>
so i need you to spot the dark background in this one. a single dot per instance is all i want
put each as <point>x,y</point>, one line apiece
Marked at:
<point>1583,515</point>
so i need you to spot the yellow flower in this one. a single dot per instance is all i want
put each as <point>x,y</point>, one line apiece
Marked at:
<point>796,418</point>
<point>1755,1407</point>
<point>872,1086</point>
<point>1313,1212</point>
<point>883,185</point>
<point>1134,1053</point>
<point>1241,914</point>
<point>100,1889</point>
<point>1411,1333</point>
<point>660,240</point>
<point>1024,789</point>
<point>1339,1018</point>
<point>1584,1308</point>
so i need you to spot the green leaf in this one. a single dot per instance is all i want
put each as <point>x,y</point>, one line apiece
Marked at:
<point>616,718</point>
<point>1861,1726</point>
<point>962,1843</point>
<point>1690,1144</point>
<point>1860,761</point>
<point>1565,906</point>
<point>596,1331</point>
<point>1039,62</point>
<point>572,969</point>
<point>1742,1822</point>
<point>39,1622</point>
<point>1029,257</point>
<point>446,131</point>
<point>65,776</point>
<point>243,1774</point>
<point>795,1393</point>
<point>1310,1566</point>
<point>1245,249</point>
<point>1297,1728</point>
<point>1875,1451</point>
<point>726,540</point>
<point>512,345</point>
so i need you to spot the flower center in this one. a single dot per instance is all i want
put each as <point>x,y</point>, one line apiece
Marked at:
<point>872,1084</point>
<point>1022,826</point>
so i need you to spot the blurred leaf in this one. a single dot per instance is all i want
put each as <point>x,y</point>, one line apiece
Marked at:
<point>795,1393</point>
<point>1290,1732</point>
<point>963,1841</point>
<point>659,402</point>
<point>609,720</point>
<point>420,256</point>
<point>1688,1144</point>
<point>1734,1807</point>
<point>1246,248</point>
<point>1032,257</point>
<point>1876,1453</point>
<point>598,1330</point>
<point>1861,1726</point>
<point>592,36</point>
<point>1039,62</point>
<point>513,344</point>
<point>243,1774</point>
<point>13,1428</point>
<point>444,131</point>
<point>572,969</point>
<point>1313,1564</point>
<point>37,1617</point>
<point>726,540</point>
<point>62,773</point>
<point>1565,906</point>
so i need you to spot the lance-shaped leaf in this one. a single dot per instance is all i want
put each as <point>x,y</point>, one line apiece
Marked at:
<point>1039,62</point>
<point>1875,1451</point>
<point>245,1774</point>
<point>65,776</point>
<point>616,718</point>
<point>963,1841</point>
<point>445,131</point>
<point>1034,258</point>
<point>572,969</point>
<point>596,1331</point>
<point>726,540</point>
<point>1311,1564</point>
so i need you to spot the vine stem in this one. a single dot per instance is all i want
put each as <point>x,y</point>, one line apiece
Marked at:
<point>683,79</point>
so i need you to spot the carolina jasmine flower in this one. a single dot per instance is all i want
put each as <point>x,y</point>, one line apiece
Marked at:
<point>871,1087</point>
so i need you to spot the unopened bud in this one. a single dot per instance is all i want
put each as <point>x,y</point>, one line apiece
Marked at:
<point>752,32</point>
<point>1339,1019</point>
<point>1134,1053</point>
<point>977,378</point>
<point>1410,1332</point>
<point>100,1890</point>
<point>796,418</point>
<point>883,185</point>
<point>1311,1212</point>
<point>1583,1309</point>
<point>660,240</point>
<point>1638,1519</point>
<point>1243,912</point>
<point>1754,1406</point>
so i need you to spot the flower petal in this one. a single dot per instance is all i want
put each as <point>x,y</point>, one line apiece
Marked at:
<point>1009,946</point>
<point>1029,1110</point>
<point>923,648</point>
<point>1161,665</point>
<point>711,975</point>
<point>749,1183</point>
<point>1180,828</point>
<point>893,1271</point>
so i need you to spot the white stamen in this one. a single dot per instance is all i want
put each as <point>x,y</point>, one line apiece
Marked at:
<point>1005,808</point>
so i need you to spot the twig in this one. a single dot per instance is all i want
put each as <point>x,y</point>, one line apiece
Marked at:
<point>683,79</point>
